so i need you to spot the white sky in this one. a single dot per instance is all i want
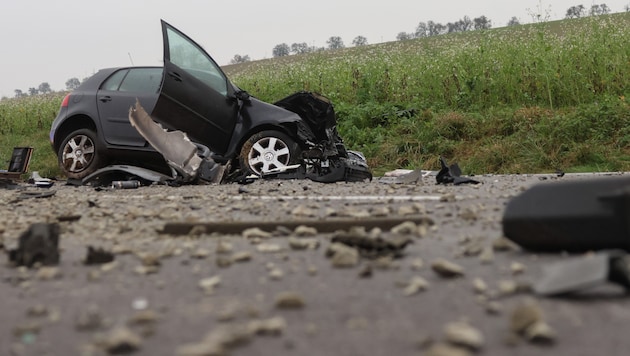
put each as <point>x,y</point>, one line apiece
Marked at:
<point>52,41</point>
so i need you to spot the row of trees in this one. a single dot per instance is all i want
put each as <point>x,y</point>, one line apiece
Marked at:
<point>44,88</point>
<point>283,49</point>
<point>578,11</point>
<point>424,29</point>
<point>430,28</point>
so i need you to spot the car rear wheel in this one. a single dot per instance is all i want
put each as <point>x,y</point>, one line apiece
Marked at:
<point>268,150</point>
<point>79,154</point>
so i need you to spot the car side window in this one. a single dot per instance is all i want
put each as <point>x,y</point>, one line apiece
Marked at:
<point>113,82</point>
<point>142,80</point>
<point>194,60</point>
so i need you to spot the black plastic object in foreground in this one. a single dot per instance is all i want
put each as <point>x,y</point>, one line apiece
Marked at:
<point>571,216</point>
<point>38,244</point>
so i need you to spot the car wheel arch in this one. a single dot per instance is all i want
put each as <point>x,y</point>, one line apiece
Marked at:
<point>285,128</point>
<point>72,124</point>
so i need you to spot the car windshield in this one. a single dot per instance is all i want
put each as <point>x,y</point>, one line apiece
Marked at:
<point>186,55</point>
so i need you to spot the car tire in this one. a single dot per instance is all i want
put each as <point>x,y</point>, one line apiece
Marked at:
<point>79,154</point>
<point>268,150</point>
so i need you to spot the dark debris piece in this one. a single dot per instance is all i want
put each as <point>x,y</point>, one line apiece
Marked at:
<point>575,216</point>
<point>34,195</point>
<point>98,256</point>
<point>38,244</point>
<point>452,174</point>
<point>374,247</point>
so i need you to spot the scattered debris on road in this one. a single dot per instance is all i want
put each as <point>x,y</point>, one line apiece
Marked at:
<point>39,244</point>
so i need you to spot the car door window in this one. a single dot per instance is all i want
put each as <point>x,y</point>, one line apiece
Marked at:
<point>189,57</point>
<point>142,80</point>
<point>113,82</point>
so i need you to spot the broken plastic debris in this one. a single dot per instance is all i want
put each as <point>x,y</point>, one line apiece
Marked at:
<point>117,172</point>
<point>373,247</point>
<point>38,244</point>
<point>97,256</point>
<point>582,273</point>
<point>413,176</point>
<point>452,174</point>
<point>29,195</point>
<point>39,181</point>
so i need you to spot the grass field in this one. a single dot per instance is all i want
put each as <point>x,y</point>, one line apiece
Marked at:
<point>530,98</point>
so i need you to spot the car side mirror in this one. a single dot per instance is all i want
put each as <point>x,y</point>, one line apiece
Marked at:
<point>242,95</point>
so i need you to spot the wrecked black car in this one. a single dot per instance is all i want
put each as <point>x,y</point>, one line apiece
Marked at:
<point>295,137</point>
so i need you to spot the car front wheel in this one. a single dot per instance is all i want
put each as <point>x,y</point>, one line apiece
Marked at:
<point>79,155</point>
<point>268,150</point>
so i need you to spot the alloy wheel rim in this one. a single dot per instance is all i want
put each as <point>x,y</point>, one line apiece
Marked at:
<point>78,153</point>
<point>267,154</point>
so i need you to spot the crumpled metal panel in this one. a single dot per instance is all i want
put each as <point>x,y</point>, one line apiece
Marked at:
<point>177,149</point>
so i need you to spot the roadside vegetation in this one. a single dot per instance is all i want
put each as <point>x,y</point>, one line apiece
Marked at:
<point>522,99</point>
<point>26,121</point>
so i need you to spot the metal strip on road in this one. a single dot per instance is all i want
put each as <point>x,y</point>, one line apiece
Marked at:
<point>368,198</point>
<point>322,226</point>
<point>346,197</point>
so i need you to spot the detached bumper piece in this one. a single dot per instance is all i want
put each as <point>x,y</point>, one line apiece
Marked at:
<point>574,216</point>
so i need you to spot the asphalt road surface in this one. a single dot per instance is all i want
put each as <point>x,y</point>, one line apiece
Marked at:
<point>200,290</point>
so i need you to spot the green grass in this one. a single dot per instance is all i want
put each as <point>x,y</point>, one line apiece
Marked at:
<point>26,122</point>
<point>525,99</point>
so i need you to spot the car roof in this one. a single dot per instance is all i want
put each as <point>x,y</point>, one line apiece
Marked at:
<point>97,78</point>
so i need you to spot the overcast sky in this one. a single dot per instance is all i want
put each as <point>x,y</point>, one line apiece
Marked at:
<point>52,41</point>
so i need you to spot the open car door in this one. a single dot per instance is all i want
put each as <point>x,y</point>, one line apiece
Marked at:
<point>196,97</point>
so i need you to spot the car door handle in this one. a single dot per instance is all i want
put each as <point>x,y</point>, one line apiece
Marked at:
<point>176,76</point>
<point>105,99</point>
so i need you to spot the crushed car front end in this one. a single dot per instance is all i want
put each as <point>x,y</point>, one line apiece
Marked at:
<point>324,156</point>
